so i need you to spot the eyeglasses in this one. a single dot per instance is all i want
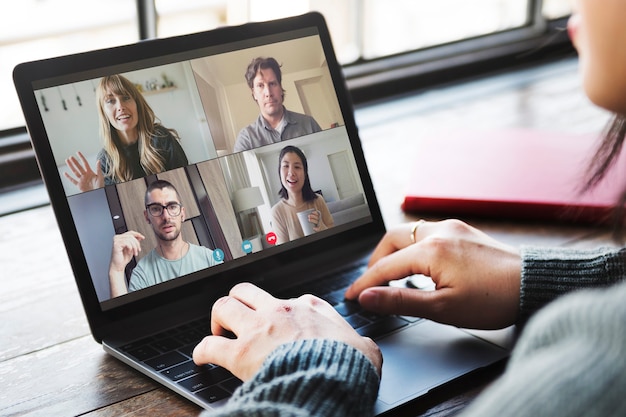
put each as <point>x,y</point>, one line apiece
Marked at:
<point>156,209</point>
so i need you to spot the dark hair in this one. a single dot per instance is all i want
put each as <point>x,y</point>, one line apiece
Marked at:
<point>603,160</point>
<point>260,63</point>
<point>159,185</point>
<point>307,192</point>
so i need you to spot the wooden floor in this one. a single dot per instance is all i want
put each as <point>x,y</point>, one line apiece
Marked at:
<point>50,365</point>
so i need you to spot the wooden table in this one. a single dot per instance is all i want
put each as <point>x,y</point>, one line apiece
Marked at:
<point>50,365</point>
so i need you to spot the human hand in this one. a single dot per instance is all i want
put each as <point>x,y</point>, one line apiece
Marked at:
<point>125,246</point>
<point>477,278</point>
<point>315,217</point>
<point>261,323</point>
<point>84,177</point>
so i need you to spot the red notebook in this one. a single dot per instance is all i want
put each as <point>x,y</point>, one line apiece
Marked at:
<point>516,174</point>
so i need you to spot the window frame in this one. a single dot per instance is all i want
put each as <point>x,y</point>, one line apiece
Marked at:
<point>538,41</point>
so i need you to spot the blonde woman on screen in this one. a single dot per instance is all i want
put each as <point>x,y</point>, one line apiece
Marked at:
<point>136,144</point>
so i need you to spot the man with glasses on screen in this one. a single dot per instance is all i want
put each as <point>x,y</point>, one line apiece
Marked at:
<point>171,258</point>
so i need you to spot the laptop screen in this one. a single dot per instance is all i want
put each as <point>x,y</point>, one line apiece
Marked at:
<point>186,166</point>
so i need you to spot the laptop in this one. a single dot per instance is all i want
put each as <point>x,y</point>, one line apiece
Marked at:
<point>195,85</point>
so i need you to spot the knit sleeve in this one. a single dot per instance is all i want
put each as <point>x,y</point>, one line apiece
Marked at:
<point>548,273</point>
<point>308,378</point>
<point>568,362</point>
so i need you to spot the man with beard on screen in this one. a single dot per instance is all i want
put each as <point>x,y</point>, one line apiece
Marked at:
<point>171,258</point>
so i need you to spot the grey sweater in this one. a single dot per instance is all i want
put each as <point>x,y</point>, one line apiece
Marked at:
<point>568,361</point>
<point>308,378</point>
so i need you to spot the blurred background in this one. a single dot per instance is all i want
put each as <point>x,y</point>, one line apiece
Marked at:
<point>367,34</point>
<point>388,49</point>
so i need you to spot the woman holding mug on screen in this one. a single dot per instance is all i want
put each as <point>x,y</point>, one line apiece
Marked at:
<point>300,210</point>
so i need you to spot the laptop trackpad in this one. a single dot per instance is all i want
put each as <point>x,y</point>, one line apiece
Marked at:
<point>427,355</point>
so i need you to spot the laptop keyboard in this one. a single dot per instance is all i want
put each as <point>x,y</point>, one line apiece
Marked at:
<point>170,352</point>
<point>366,323</point>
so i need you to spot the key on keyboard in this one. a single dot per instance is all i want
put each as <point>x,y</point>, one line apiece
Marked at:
<point>170,353</point>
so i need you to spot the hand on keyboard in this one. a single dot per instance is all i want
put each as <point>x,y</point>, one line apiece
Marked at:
<point>262,322</point>
<point>477,279</point>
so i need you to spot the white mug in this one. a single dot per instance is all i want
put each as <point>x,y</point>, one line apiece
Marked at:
<point>307,226</point>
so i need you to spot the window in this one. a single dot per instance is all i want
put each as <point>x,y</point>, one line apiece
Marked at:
<point>36,29</point>
<point>365,32</point>
<point>554,9</point>
<point>366,29</point>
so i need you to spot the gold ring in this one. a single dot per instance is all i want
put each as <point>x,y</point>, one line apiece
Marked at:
<point>416,225</point>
